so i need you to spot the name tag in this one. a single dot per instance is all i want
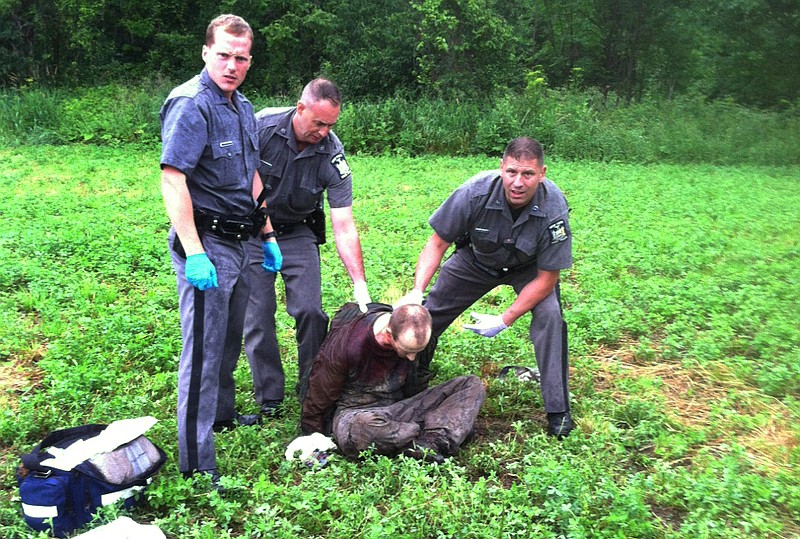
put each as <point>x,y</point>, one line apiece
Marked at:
<point>226,144</point>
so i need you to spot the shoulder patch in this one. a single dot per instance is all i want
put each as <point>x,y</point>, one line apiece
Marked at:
<point>558,232</point>
<point>340,164</point>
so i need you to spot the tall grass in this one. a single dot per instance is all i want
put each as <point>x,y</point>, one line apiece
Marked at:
<point>107,115</point>
<point>571,124</point>
<point>30,117</point>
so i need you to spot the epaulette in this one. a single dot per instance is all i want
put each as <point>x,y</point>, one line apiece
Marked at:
<point>190,88</point>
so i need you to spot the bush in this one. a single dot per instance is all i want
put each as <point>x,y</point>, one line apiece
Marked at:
<point>570,124</point>
<point>30,116</point>
<point>111,114</point>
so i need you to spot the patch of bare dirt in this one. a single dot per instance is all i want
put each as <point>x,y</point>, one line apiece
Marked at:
<point>698,396</point>
<point>19,374</point>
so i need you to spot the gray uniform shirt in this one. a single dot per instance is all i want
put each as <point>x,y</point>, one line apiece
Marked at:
<point>295,180</point>
<point>214,142</point>
<point>478,210</point>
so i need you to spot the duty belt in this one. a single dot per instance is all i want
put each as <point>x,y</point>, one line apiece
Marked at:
<point>500,273</point>
<point>287,228</point>
<point>315,221</point>
<point>230,227</point>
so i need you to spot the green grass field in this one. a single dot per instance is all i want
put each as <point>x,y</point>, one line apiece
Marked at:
<point>683,307</point>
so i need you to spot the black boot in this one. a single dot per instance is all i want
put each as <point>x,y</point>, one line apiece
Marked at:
<point>213,475</point>
<point>272,409</point>
<point>559,424</point>
<point>241,420</point>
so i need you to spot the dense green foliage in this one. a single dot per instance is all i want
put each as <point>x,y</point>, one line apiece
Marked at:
<point>746,50</point>
<point>682,305</point>
<point>571,124</point>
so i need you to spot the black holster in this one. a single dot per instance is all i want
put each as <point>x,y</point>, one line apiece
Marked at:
<point>316,222</point>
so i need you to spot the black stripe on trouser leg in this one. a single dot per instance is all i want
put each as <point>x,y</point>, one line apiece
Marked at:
<point>564,351</point>
<point>195,378</point>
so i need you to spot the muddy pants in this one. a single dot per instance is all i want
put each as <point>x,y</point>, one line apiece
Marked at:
<point>449,409</point>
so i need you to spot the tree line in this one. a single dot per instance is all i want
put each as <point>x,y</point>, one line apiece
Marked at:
<point>746,51</point>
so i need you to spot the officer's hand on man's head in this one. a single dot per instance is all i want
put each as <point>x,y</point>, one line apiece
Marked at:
<point>487,325</point>
<point>412,298</point>
<point>273,259</point>
<point>200,272</point>
<point>361,295</point>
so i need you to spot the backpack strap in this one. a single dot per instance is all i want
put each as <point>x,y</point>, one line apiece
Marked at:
<point>58,438</point>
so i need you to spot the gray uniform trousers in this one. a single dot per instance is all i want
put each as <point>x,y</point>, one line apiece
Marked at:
<point>449,409</point>
<point>460,284</point>
<point>211,326</point>
<point>301,277</point>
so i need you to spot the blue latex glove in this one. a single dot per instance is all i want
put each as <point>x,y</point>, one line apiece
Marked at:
<point>273,259</point>
<point>200,272</point>
<point>487,325</point>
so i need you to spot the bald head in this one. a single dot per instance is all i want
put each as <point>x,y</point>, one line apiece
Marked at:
<point>410,327</point>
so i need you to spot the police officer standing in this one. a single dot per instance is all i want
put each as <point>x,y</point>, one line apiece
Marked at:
<point>301,158</point>
<point>210,186</point>
<point>511,228</point>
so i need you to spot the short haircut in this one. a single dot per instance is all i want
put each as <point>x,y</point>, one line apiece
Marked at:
<point>321,89</point>
<point>232,24</point>
<point>411,318</point>
<point>524,149</point>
